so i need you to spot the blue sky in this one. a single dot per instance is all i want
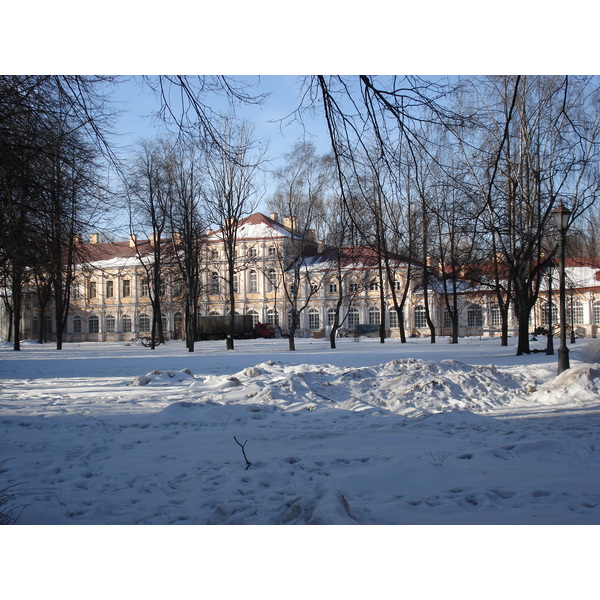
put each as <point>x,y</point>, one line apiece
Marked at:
<point>138,103</point>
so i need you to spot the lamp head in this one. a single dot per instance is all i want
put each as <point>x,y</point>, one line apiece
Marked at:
<point>561,217</point>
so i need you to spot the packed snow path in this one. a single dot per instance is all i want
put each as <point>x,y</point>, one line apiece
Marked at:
<point>368,434</point>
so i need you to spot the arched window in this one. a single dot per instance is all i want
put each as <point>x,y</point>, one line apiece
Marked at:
<point>597,312</point>
<point>314,319</point>
<point>93,324</point>
<point>163,319</point>
<point>353,317</point>
<point>126,323</point>
<point>419,315</point>
<point>110,324</point>
<point>144,323</point>
<point>254,315</point>
<point>214,313</point>
<point>374,315</point>
<point>76,324</point>
<point>253,282</point>
<point>394,321</point>
<point>474,316</point>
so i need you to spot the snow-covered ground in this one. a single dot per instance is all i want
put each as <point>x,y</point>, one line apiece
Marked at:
<point>369,433</point>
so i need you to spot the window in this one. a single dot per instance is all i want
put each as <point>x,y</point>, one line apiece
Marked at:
<point>47,325</point>
<point>495,316</point>
<point>144,287</point>
<point>331,317</point>
<point>254,316</point>
<point>597,312</point>
<point>420,318</point>
<point>214,254</point>
<point>353,287</point>
<point>394,321</point>
<point>353,317</point>
<point>314,288</point>
<point>76,324</point>
<point>447,318</point>
<point>35,326</point>
<point>92,293</point>
<point>110,324</point>
<point>273,317</point>
<point>374,315</point>
<point>110,289</point>
<point>253,283</point>
<point>126,283</point>
<point>93,324</point>
<point>271,280</point>
<point>397,285</point>
<point>333,288</point>
<point>178,325</point>
<point>178,288</point>
<point>126,323</point>
<point>252,252</point>
<point>272,252</point>
<point>576,312</point>
<point>293,289</point>
<point>75,292</point>
<point>144,323</point>
<point>163,320</point>
<point>373,285</point>
<point>474,316</point>
<point>235,283</point>
<point>214,283</point>
<point>545,313</point>
<point>314,320</point>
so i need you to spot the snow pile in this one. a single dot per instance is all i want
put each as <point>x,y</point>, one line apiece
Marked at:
<point>157,377</point>
<point>410,387</point>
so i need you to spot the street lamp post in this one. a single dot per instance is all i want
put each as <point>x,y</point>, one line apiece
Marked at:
<point>561,218</point>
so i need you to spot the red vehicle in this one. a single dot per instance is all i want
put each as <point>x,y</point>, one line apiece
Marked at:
<point>264,330</point>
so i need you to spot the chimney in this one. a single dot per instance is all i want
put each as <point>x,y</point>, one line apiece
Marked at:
<point>132,240</point>
<point>93,238</point>
<point>290,223</point>
<point>177,238</point>
<point>77,239</point>
<point>153,239</point>
<point>274,216</point>
<point>311,235</point>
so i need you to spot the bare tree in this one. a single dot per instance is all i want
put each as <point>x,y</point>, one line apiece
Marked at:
<point>150,200</point>
<point>234,195</point>
<point>187,228</point>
